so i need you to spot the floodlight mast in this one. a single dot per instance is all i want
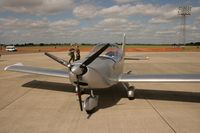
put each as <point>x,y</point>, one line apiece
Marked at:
<point>184,11</point>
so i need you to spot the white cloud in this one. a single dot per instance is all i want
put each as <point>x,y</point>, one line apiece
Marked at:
<point>40,30</point>
<point>17,24</point>
<point>36,7</point>
<point>172,32</point>
<point>65,23</point>
<point>113,10</point>
<point>141,9</point>
<point>195,10</point>
<point>190,28</point>
<point>198,18</point>
<point>117,25</point>
<point>127,1</point>
<point>113,22</point>
<point>139,21</point>
<point>85,11</point>
<point>159,21</point>
<point>165,11</point>
<point>161,12</point>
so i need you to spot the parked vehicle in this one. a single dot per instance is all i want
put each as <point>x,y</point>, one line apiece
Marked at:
<point>11,48</point>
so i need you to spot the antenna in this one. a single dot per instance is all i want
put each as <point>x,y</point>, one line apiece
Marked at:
<point>124,38</point>
<point>184,11</point>
<point>124,43</point>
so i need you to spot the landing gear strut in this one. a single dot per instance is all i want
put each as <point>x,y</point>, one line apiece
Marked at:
<point>90,103</point>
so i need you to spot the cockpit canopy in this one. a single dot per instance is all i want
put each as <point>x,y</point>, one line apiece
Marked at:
<point>113,51</point>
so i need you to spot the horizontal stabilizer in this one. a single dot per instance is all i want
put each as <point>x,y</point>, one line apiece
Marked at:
<point>37,70</point>
<point>136,58</point>
<point>160,78</point>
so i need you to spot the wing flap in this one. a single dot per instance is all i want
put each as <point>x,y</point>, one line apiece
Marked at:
<point>37,70</point>
<point>160,78</point>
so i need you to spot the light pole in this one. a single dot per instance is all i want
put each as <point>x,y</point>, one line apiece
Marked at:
<point>184,11</point>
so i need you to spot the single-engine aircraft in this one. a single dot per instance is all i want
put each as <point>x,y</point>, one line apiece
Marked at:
<point>102,68</point>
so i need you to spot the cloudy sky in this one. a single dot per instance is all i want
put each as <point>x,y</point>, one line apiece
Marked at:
<point>96,21</point>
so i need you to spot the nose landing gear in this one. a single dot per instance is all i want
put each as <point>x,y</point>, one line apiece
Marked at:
<point>90,103</point>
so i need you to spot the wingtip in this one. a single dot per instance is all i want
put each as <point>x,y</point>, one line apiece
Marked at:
<point>17,64</point>
<point>6,68</point>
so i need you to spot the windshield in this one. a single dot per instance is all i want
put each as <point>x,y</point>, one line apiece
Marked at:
<point>113,51</point>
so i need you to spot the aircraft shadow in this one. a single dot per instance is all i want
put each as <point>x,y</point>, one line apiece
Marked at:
<point>107,97</point>
<point>46,85</point>
<point>111,96</point>
<point>165,95</point>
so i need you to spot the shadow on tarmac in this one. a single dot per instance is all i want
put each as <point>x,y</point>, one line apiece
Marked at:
<point>107,97</point>
<point>165,95</point>
<point>46,85</point>
<point>111,96</point>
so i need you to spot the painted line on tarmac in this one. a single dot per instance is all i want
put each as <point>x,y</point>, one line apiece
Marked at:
<point>17,98</point>
<point>161,116</point>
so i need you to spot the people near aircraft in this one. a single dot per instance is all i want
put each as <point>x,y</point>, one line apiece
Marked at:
<point>77,53</point>
<point>71,54</point>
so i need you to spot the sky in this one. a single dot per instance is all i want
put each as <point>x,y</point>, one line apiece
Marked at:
<point>97,21</point>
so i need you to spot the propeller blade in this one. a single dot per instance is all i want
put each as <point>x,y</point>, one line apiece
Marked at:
<point>79,94</point>
<point>95,55</point>
<point>59,60</point>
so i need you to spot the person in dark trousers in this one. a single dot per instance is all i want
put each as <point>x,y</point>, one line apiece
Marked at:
<point>71,54</point>
<point>77,50</point>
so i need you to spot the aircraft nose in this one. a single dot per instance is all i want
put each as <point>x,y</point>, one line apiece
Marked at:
<point>77,70</point>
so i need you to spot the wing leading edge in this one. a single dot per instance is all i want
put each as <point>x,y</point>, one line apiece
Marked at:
<point>160,78</point>
<point>37,70</point>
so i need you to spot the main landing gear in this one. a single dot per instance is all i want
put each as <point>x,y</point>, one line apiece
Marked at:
<point>130,91</point>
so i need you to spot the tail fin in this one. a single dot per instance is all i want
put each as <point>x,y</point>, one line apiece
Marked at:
<point>124,43</point>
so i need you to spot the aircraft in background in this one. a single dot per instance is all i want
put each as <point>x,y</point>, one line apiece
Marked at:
<point>102,68</point>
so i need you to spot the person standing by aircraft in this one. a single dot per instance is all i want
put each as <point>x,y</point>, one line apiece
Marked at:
<point>77,50</point>
<point>71,54</point>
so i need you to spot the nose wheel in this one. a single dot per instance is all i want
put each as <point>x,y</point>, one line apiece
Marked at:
<point>90,103</point>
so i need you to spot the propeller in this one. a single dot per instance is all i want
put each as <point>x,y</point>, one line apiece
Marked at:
<point>59,60</point>
<point>79,93</point>
<point>95,55</point>
<point>82,68</point>
<point>79,69</point>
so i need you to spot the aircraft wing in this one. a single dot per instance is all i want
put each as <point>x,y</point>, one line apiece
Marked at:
<point>136,57</point>
<point>159,78</point>
<point>37,70</point>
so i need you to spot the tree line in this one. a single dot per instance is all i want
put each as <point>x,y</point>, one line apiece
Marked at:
<point>90,44</point>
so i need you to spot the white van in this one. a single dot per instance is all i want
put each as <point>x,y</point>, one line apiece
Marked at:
<point>11,48</point>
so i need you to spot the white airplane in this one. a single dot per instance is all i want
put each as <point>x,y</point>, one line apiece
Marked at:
<point>102,68</point>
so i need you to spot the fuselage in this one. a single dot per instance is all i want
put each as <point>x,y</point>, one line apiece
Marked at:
<point>103,71</point>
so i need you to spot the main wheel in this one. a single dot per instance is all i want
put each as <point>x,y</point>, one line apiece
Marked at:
<point>131,93</point>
